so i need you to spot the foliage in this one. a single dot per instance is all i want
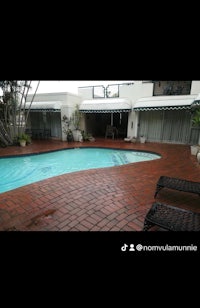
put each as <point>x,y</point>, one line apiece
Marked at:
<point>22,137</point>
<point>196,118</point>
<point>86,136</point>
<point>69,132</point>
<point>66,129</point>
<point>25,137</point>
<point>13,115</point>
<point>76,118</point>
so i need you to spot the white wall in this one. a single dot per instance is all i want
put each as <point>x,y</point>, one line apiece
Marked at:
<point>147,89</point>
<point>86,93</point>
<point>195,87</point>
<point>132,124</point>
<point>68,108</point>
<point>42,97</point>
<point>69,102</point>
<point>134,92</point>
<point>65,97</point>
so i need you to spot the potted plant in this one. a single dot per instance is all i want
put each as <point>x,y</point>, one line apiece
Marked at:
<point>69,135</point>
<point>22,142</point>
<point>24,139</point>
<point>87,136</point>
<point>75,120</point>
<point>67,130</point>
<point>142,139</point>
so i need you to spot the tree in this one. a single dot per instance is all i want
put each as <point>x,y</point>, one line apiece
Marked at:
<point>76,117</point>
<point>13,115</point>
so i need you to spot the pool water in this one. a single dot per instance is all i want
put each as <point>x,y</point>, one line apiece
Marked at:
<point>18,171</point>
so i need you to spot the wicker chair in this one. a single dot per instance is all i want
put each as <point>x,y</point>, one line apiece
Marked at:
<point>177,184</point>
<point>171,218</point>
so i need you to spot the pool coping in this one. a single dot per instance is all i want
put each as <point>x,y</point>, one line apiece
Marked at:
<point>82,147</point>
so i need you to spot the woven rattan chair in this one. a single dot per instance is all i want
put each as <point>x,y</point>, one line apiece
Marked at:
<point>177,184</point>
<point>171,218</point>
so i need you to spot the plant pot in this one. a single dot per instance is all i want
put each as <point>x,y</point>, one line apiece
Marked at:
<point>194,149</point>
<point>70,138</point>
<point>76,134</point>
<point>22,143</point>
<point>80,138</point>
<point>142,139</point>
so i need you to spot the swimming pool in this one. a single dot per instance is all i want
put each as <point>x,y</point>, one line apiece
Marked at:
<point>18,171</point>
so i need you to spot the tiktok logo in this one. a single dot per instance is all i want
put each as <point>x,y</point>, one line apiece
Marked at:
<point>123,248</point>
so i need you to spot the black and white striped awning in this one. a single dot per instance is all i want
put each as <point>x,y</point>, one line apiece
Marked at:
<point>196,102</point>
<point>50,106</point>
<point>177,102</point>
<point>109,105</point>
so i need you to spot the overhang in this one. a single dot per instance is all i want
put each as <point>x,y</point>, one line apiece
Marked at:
<point>196,101</point>
<point>51,106</point>
<point>109,105</point>
<point>164,103</point>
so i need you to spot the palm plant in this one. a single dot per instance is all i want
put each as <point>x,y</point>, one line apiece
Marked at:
<point>76,118</point>
<point>196,118</point>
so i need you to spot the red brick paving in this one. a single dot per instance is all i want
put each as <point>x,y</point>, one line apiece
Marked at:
<point>106,199</point>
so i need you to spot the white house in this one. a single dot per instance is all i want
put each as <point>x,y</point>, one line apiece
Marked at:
<point>47,111</point>
<point>159,110</point>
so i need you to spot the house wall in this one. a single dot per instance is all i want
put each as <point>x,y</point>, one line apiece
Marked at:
<point>137,121</point>
<point>85,93</point>
<point>42,97</point>
<point>161,126</point>
<point>134,92</point>
<point>67,109</point>
<point>195,87</point>
<point>69,102</point>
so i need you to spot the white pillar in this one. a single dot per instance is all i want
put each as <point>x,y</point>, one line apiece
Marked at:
<point>111,118</point>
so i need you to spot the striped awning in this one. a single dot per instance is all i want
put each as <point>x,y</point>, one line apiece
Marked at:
<point>171,102</point>
<point>196,101</point>
<point>109,105</point>
<point>51,106</point>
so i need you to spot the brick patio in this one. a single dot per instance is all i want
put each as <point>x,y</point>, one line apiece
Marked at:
<point>106,199</point>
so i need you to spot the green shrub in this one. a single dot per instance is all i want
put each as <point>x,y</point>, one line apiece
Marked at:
<point>25,137</point>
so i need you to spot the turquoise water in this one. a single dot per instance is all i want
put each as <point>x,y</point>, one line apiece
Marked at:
<point>23,170</point>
